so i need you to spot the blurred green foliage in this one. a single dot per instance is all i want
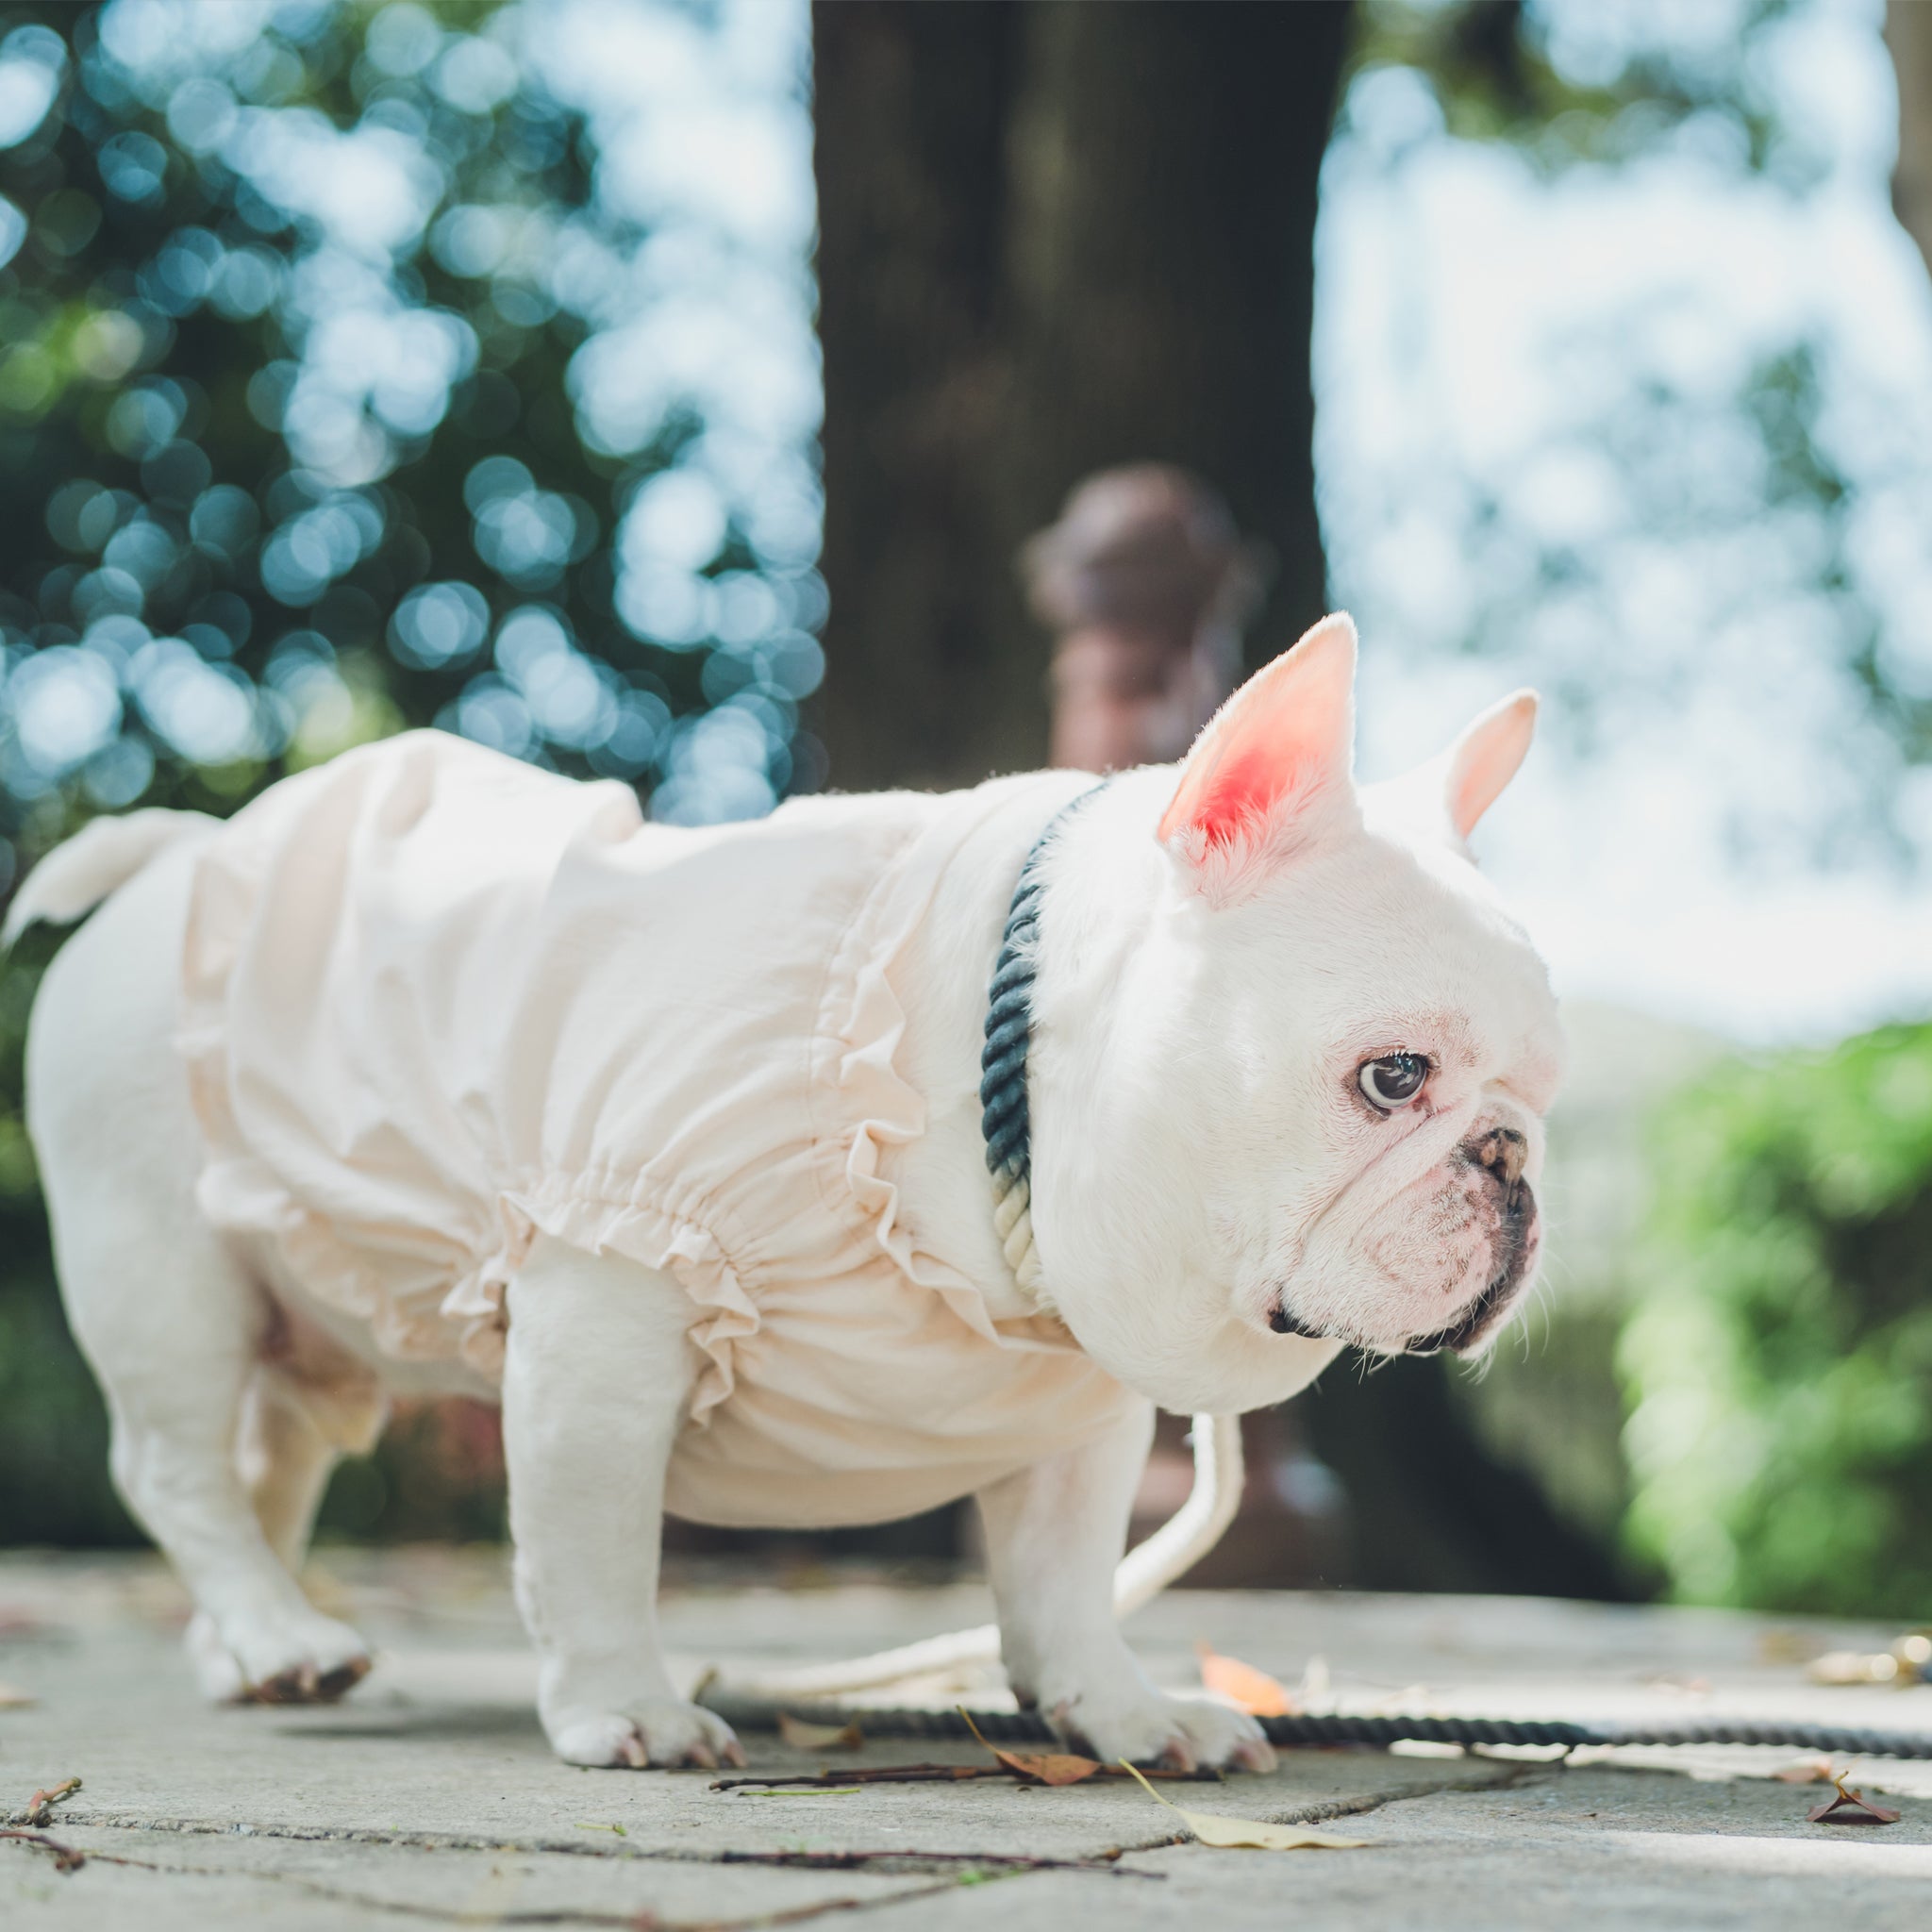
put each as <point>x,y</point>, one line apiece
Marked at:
<point>1778,1356</point>
<point>367,363</point>
<point>1570,83</point>
<point>1739,481</point>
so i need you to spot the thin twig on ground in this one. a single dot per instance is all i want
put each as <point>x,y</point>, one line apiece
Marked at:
<point>65,1858</point>
<point>944,1774</point>
<point>1101,1862</point>
<point>42,1802</point>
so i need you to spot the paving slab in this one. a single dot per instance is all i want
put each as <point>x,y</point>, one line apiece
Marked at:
<point>162,1880</point>
<point>430,1794</point>
<point>1605,1847</point>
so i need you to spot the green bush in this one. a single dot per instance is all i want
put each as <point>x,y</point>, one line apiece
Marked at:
<point>1777,1359</point>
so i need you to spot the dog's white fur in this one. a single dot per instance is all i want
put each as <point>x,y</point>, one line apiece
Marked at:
<point>1205,1165</point>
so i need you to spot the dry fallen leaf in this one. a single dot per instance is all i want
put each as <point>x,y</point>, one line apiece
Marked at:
<point>1849,1808</point>
<point>1412,1700</point>
<point>1856,1667</point>
<point>1807,1770</point>
<point>1247,1834</point>
<point>12,1699</point>
<point>1683,1683</point>
<point>802,1735</point>
<point>1781,1646</point>
<point>1050,1767</point>
<point>1244,1687</point>
<point>1044,1767</point>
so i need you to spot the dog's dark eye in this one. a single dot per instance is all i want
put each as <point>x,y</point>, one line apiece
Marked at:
<point>1394,1081</point>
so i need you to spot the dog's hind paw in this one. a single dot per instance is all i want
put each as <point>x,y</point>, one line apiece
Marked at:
<point>216,1674</point>
<point>663,1731</point>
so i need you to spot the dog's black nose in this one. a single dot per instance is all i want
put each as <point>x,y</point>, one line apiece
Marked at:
<point>1284,1323</point>
<point>1503,1152</point>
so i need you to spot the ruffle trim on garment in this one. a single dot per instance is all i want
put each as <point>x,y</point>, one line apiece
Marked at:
<point>444,1317</point>
<point>863,1100</point>
<point>469,1318</point>
<point>861,1105</point>
<point>657,1237</point>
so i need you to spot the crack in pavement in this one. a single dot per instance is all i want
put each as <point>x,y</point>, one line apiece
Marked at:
<point>981,1866</point>
<point>1512,1779</point>
<point>532,1847</point>
<point>642,1920</point>
<point>76,1817</point>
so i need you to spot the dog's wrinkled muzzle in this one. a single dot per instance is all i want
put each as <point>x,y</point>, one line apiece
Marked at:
<point>1502,1155</point>
<point>1491,1309</point>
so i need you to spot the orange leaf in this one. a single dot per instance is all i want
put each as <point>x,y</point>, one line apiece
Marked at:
<point>1244,1687</point>
<point>1050,1767</point>
<point>1047,1767</point>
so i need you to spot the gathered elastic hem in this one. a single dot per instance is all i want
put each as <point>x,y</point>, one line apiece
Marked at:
<point>863,1103</point>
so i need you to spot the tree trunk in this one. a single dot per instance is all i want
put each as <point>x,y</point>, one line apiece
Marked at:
<point>1909,34</point>
<point>1427,1505</point>
<point>1053,237</point>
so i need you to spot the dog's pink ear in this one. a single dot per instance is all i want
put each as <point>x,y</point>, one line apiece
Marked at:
<point>1485,759</point>
<point>1284,739</point>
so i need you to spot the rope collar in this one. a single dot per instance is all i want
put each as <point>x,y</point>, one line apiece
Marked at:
<point>1004,1121</point>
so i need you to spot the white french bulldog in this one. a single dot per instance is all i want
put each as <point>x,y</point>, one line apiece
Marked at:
<point>430,1072</point>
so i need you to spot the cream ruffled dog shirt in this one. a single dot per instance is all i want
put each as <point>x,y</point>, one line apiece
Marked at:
<point>437,1000</point>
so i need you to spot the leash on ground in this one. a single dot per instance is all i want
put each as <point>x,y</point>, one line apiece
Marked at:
<point>1307,1732</point>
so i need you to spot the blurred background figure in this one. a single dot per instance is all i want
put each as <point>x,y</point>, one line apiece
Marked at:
<point>664,392</point>
<point>1146,587</point>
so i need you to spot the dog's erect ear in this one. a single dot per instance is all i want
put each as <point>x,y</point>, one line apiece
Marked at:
<point>1484,759</point>
<point>1285,741</point>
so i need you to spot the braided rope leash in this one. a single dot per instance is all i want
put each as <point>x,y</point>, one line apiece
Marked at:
<point>1006,1121</point>
<point>1314,1733</point>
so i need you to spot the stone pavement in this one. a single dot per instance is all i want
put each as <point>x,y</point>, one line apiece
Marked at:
<point>429,1798</point>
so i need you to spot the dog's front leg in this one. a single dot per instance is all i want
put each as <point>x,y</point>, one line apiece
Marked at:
<point>597,1373</point>
<point>1054,1533</point>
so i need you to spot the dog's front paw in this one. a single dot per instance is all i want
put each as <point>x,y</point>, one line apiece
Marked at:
<point>1149,1727</point>
<point>304,1659</point>
<point>654,1730</point>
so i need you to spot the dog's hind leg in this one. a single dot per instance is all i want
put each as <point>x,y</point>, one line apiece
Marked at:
<point>171,1319</point>
<point>287,1445</point>
<point>176,1361</point>
<point>309,1402</point>
<point>285,1461</point>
